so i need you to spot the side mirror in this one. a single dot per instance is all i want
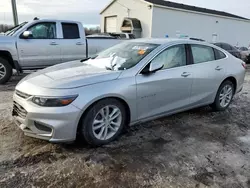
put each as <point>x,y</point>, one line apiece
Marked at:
<point>155,66</point>
<point>27,34</point>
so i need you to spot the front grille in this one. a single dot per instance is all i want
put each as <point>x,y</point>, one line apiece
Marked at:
<point>18,110</point>
<point>22,95</point>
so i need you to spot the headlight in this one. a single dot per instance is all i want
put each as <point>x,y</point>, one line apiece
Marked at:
<point>54,101</point>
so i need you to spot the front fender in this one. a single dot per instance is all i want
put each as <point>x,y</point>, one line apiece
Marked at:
<point>124,89</point>
<point>9,46</point>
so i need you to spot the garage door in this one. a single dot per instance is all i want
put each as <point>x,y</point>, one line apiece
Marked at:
<point>110,24</point>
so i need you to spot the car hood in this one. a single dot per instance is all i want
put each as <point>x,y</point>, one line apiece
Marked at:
<point>5,39</point>
<point>70,75</point>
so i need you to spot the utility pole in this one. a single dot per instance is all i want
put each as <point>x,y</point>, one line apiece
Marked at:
<point>14,11</point>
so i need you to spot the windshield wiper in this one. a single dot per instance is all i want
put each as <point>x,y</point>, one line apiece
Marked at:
<point>86,59</point>
<point>112,66</point>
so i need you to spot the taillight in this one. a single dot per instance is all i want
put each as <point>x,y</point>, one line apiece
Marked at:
<point>244,65</point>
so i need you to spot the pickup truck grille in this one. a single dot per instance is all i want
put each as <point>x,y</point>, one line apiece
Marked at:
<point>22,95</point>
<point>18,110</point>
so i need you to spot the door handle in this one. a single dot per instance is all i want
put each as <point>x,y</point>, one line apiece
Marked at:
<point>53,43</point>
<point>79,43</point>
<point>218,68</point>
<point>185,74</point>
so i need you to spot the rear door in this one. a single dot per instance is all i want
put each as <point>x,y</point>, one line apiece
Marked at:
<point>73,43</point>
<point>42,48</point>
<point>166,90</point>
<point>209,71</point>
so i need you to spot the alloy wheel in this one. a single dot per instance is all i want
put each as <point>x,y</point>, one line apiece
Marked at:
<point>107,122</point>
<point>226,95</point>
<point>2,71</point>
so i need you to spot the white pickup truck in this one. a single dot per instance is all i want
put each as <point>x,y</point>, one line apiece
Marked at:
<point>42,43</point>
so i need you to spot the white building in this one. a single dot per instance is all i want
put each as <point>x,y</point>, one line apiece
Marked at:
<point>159,18</point>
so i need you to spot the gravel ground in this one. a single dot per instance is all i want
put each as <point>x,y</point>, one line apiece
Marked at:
<point>198,148</point>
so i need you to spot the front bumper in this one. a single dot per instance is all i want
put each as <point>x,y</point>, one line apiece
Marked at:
<point>52,124</point>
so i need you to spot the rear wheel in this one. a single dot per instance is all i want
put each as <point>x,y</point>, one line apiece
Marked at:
<point>224,96</point>
<point>103,122</point>
<point>5,70</point>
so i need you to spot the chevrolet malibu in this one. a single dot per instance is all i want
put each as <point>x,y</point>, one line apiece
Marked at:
<point>133,82</point>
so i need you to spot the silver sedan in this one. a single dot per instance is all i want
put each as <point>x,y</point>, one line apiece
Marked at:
<point>130,83</point>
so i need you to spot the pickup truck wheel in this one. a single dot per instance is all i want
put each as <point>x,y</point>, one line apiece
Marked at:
<point>5,70</point>
<point>103,122</point>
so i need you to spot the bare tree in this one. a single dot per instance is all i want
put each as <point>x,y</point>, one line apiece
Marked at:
<point>92,30</point>
<point>4,27</point>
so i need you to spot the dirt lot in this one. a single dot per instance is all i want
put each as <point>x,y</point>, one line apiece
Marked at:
<point>198,148</point>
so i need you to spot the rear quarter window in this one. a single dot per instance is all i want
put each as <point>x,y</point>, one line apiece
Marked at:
<point>219,54</point>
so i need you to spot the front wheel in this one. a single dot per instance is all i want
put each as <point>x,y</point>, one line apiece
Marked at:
<point>103,122</point>
<point>224,96</point>
<point>5,71</point>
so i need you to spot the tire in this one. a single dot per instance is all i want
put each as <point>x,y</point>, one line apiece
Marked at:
<point>87,125</point>
<point>5,71</point>
<point>218,104</point>
<point>248,59</point>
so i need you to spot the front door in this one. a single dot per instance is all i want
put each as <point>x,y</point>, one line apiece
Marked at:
<point>42,48</point>
<point>167,90</point>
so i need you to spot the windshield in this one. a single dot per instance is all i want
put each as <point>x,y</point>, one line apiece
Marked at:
<point>123,56</point>
<point>13,30</point>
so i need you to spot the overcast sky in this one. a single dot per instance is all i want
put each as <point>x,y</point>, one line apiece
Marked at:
<point>87,11</point>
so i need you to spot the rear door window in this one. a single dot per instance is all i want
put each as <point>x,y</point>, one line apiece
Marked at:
<point>70,31</point>
<point>202,53</point>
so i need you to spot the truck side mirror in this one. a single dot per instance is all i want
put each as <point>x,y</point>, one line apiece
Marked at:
<point>27,34</point>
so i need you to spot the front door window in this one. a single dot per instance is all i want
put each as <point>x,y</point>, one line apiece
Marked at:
<point>43,31</point>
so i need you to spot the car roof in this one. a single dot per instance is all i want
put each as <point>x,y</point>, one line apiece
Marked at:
<point>162,41</point>
<point>170,41</point>
<point>54,20</point>
<point>222,43</point>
